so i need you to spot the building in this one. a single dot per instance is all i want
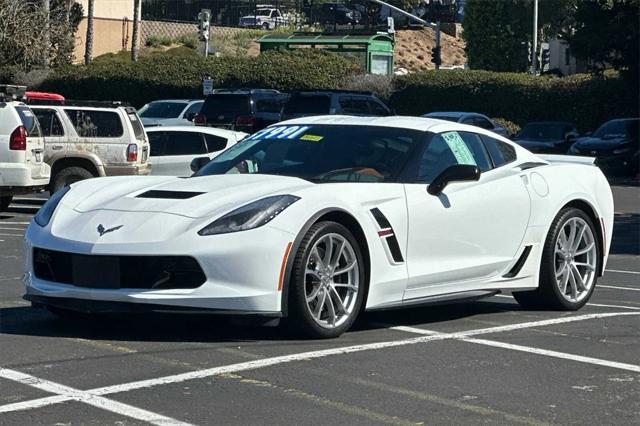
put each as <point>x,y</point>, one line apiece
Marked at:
<point>112,27</point>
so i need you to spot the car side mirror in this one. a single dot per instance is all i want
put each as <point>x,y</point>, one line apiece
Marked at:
<point>198,163</point>
<point>457,173</point>
<point>190,116</point>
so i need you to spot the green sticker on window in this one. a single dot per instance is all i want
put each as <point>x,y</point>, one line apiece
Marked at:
<point>459,148</point>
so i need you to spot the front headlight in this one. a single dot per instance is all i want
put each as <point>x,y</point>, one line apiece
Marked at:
<point>250,216</point>
<point>43,216</point>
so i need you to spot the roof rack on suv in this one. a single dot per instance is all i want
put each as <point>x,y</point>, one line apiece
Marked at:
<point>241,90</point>
<point>83,103</point>
<point>10,92</point>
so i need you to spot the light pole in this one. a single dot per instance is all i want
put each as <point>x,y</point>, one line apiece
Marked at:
<point>534,46</point>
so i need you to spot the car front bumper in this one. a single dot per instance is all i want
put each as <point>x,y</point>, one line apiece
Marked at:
<point>243,272</point>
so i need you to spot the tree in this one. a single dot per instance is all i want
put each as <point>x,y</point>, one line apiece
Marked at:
<point>494,30</point>
<point>134,32</point>
<point>46,37</point>
<point>606,33</point>
<point>88,47</point>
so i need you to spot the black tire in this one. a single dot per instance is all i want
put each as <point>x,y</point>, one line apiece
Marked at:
<point>548,296</point>
<point>5,200</point>
<point>67,176</point>
<point>300,318</point>
<point>265,26</point>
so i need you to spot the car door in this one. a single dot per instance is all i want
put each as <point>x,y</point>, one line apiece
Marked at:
<point>156,142</point>
<point>180,148</point>
<point>56,138</point>
<point>473,230</point>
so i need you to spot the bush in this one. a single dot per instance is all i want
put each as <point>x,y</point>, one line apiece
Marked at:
<point>157,41</point>
<point>582,99</point>
<point>512,128</point>
<point>165,76</point>
<point>379,85</point>
<point>187,40</point>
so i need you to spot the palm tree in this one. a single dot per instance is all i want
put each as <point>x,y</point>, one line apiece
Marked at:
<point>134,33</point>
<point>88,48</point>
<point>46,8</point>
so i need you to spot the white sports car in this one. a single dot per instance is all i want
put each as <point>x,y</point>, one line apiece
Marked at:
<point>319,218</point>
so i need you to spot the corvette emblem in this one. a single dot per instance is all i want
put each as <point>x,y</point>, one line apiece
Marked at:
<point>101,229</point>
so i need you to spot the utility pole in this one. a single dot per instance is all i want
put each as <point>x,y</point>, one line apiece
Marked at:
<point>534,46</point>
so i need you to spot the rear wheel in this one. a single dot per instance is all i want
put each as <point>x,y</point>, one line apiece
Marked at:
<point>569,267</point>
<point>67,176</point>
<point>328,281</point>
<point>4,202</point>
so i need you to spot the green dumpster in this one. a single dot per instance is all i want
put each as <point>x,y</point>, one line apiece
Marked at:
<point>374,52</point>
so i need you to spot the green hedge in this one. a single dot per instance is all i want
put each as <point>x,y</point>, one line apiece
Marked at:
<point>165,76</point>
<point>582,99</point>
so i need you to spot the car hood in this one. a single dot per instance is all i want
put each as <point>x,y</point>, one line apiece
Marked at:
<point>196,197</point>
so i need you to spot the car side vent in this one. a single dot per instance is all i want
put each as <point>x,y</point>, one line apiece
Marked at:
<point>519,264</point>
<point>170,195</point>
<point>387,234</point>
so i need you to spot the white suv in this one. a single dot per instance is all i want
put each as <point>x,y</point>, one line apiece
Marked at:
<point>22,169</point>
<point>265,18</point>
<point>85,140</point>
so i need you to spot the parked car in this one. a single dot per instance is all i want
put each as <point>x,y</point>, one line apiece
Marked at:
<point>173,147</point>
<point>243,110</point>
<point>548,137</point>
<point>471,118</point>
<point>170,112</point>
<point>338,13</point>
<point>22,166</point>
<point>84,140</point>
<point>615,145</point>
<point>325,102</point>
<point>265,18</point>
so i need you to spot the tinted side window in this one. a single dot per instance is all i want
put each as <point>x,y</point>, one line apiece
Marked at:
<point>482,123</point>
<point>215,143</point>
<point>90,123</point>
<point>193,109</point>
<point>49,122</point>
<point>156,140</point>
<point>29,121</point>
<point>377,109</point>
<point>500,152</point>
<point>268,105</point>
<point>437,157</point>
<point>354,106</point>
<point>184,143</point>
<point>478,151</point>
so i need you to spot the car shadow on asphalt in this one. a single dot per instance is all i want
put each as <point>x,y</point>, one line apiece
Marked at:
<point>626,234</point>
<point>157,327</point>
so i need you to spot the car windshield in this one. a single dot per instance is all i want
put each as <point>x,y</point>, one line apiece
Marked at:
<point>162,110</point>
<point>541,132</point>
<point>611,129</point>
<point>262,12</point>
<point>321,153</point>
<point>308,105</point>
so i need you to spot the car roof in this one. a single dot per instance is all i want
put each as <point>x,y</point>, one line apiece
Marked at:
<point>199,129</point>
<point>406,122</point>
<point>176,100</point>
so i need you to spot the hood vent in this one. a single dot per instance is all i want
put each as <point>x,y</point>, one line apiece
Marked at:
<point>169,195</point>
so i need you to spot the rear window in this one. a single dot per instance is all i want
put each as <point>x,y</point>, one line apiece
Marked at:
<point>29,121</point>
<point>225,104</point>
<point>308,105</point>
<point>138,130</point>
<point>92,123</point>
<point>162,109</point>
<point>500,152</point>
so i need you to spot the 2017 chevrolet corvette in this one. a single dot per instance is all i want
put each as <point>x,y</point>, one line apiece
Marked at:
<point>320,218</point>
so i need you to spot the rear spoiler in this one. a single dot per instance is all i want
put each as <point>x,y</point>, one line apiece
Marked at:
<point>553,158</point>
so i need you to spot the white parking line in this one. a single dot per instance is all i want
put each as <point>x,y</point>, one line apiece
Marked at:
<point>619,271</point>
<point>619,288</point>
<point>14,223</point>
<point>529,349</point>
<point>12,228</point>
<point>12,235</point>
<point>267,362</point>
<point>66,393</point>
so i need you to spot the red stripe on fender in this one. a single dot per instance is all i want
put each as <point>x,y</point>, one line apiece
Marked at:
<point>385,233</point>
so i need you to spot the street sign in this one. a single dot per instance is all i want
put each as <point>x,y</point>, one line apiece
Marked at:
<point>207,86</point>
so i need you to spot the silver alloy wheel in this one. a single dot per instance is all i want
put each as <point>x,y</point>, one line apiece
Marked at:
<point>575,259</point>
<point>332,280</point>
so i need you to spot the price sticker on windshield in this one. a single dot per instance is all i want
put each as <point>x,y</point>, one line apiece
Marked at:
<point>459,148</point>
<point>280,132</point>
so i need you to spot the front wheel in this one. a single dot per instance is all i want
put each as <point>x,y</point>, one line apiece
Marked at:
<point>570,263</point>
<point>67,176</point>
<point>328,281</point>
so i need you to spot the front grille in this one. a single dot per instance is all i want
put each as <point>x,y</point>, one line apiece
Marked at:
<point>116,272</point>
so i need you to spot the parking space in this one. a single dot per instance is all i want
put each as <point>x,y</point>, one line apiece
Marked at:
<point>481,362</point>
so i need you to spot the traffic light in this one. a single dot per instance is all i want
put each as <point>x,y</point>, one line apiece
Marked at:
<point>435,55</point>
<point>204,18</point>
<point>544,60</point>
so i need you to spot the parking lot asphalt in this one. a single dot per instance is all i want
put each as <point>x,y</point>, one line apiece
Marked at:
<point>482,362</point>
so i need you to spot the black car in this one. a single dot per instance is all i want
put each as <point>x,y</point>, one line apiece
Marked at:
<point>615,145</point>
<point>329,102</point>
<point>243,110</point>
<point>338,13</point>
<point>547,137</point>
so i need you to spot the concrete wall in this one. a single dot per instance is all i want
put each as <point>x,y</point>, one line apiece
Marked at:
<point>112,9</point>
<point>109,36</point>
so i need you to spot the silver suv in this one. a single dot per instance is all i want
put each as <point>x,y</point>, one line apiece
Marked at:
<point>22,169</point>
<point>86,140</point>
